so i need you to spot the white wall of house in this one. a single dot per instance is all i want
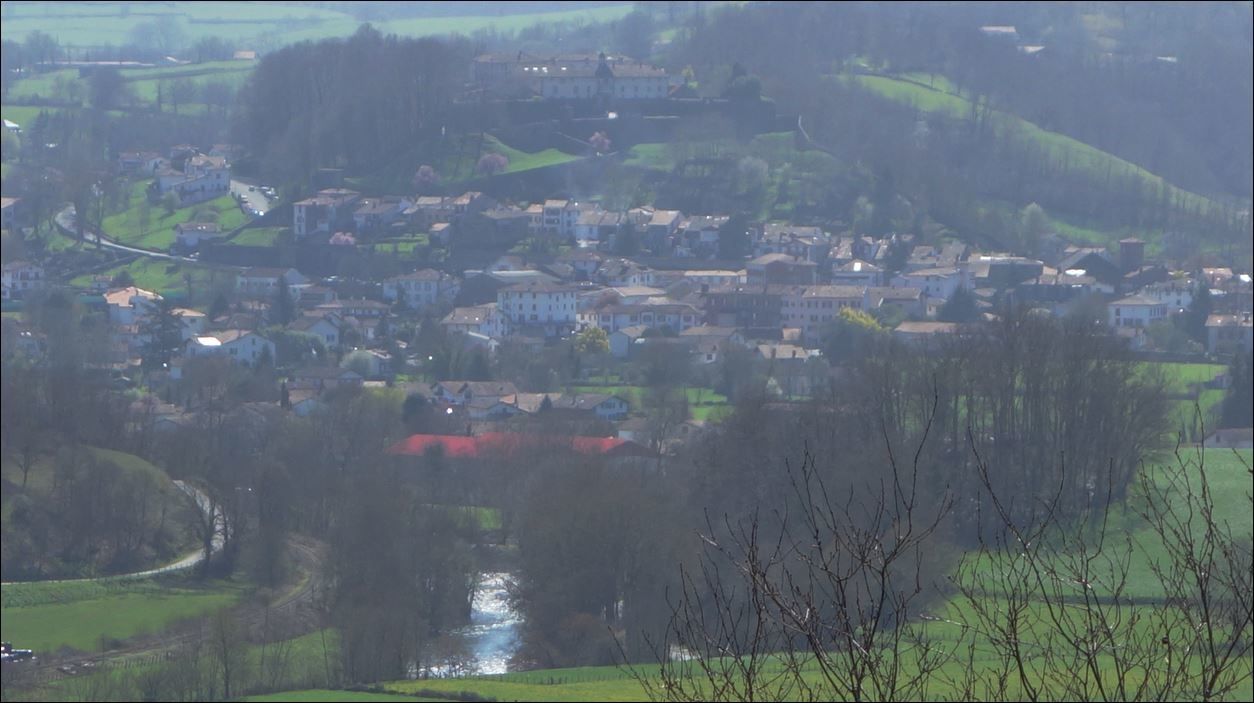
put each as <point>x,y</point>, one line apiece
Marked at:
<point>524,307</point>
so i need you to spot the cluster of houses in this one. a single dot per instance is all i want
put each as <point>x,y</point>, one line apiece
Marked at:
<point>570,77</point>
<point>191,175</point>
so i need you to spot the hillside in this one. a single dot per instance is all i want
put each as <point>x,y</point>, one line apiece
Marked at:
<point>132,511</point>
<point>955,119</point>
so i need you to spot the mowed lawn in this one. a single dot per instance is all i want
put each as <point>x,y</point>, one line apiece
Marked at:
<point>321,695</point>
<point>593,683</point>
<point>97,24</point>
<point>157,231</point>
<point>703,403</point>
<point>82,624</point>
<point>169,278</point>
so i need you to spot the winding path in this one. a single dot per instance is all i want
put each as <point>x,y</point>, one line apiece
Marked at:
<point>186,562</point>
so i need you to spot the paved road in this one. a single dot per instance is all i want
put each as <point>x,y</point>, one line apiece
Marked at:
<point>256,199</point>
<point>65,221</point>
<point>188,561</point>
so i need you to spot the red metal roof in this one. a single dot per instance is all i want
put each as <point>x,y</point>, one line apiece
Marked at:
<point>498,443</point>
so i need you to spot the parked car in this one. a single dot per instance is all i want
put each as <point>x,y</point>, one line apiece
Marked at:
<point>9,654</point>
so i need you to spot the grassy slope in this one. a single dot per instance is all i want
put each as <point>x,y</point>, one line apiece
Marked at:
<point>942,97</point>
<point>320,695</point>
<point>82,24</point>
<point>48,615</point>
<point>81,624</point>
<point>1229,482</point>
<point>165,277</point>
<point>703,403</point>
<point>258,236</point>
<point>126,227</point>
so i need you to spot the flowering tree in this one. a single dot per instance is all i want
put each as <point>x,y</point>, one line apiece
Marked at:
<point>600,142</point>
<point>343,239</point>
<point>425,177</point>
<point>492,164</point>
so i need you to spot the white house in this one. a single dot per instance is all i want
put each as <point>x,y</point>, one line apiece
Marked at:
<point>714,278</point>
<point>1135,311</point>
<point>1176,295</point>
<point>259,282</point>
<point>813,308</point>
<point>321,327</point>
<point>939,283</point>
<point>128,306</point>
<point>19,278</point>
<point>243,347</point>
<point>202,178</point>
<point>462,392</point>
<point>551,305</point>
<point>622,340</point>
<point>857,273</point>
<point>188,236</point>
<point>1228,333</point>
<point>329,208</point>
<point>615,78</point>
<point>421,289</point>
<point>485,319</point>
<point>192,322</point>
<point>611,318</point>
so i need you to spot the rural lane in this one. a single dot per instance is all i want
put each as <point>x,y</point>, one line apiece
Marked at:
<point>65,221</point>
<point>187,562</point>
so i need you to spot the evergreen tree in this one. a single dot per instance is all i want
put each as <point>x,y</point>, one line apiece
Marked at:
<point>1199,309</point>
<point>164,333</point>
<point>959,308</point>
<point>1238,404</point>
<point>284,310</point>
<point>733,238</point>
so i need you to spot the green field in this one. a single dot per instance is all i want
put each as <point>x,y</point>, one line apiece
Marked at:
<point>23,115</point>
<point>128,227</point>
<point>259,236</point>
<point>320,695</point>
<point>262,26</point>
<point>1186,380</point>
<point>82,624</point>
<point>1229,483</point>
<point>936,94</point>
<point>461,166</point>
<point>703,403</point>
<point>605,683</point>
<point>167,278</point>
<point>455,160</point>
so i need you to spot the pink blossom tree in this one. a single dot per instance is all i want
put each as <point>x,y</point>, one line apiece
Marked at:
<point>600,142</point>
<point>342,239</point>
<point>425,178</point>
<point>492,164</point>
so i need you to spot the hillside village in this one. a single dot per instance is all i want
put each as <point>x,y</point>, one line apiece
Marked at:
<point>654,282</point>
<point>373,348</point>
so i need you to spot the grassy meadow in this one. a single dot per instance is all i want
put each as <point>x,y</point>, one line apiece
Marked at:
<point>936,94</point>
<point>262,26</point>
<point>85,624</point>
<point>169,278</point>
<point>157,232</point>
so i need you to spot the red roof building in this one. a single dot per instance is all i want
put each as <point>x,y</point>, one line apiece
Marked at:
<point>506,443</point>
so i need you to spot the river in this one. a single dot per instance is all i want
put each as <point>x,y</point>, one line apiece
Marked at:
<point>492,636</point>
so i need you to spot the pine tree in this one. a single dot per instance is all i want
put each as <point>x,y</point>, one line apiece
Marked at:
<point>284,308</point>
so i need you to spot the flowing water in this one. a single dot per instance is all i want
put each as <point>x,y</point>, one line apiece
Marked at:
<point>491,637</point>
